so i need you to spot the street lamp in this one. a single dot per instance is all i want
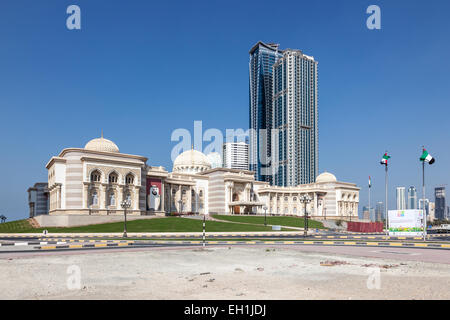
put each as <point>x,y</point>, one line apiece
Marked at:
<point>125,205</point>
<point>265,216</point>
<point>305,199</point>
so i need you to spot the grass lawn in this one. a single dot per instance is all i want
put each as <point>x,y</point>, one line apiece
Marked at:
<point>281,221</point>
<point>16,226</point>
<point>169,224</point>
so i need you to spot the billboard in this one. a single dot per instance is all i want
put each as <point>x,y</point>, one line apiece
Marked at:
<point>405,222</point>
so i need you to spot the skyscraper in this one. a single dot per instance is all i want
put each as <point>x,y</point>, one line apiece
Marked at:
<point>379,211</point>
<point>283,100</point>
<point>235,155</point>
<point>440,208</point>
<point>412,198</point>
<point>262,58</point>
<point>401,201</point>
<point>295,117</point>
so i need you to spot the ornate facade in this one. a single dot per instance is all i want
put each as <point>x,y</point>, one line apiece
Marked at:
<point>94,180</point>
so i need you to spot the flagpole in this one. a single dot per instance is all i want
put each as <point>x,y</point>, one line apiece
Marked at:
<point>423,202</point>
<point>386,199</point>
<point>370,182</point>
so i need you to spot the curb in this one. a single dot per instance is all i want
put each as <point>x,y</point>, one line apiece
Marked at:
<point>338,243</point>
<point>82,246</point>
<point>57,242</point>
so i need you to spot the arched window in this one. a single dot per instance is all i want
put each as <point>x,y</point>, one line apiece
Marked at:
<point>94,199</point>
<point>129,179</point>
<point>113,178</point>
<point>96,176</point>
<point>112,199</point>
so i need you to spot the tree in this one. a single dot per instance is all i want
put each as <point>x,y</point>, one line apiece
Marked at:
<point>3,218</point>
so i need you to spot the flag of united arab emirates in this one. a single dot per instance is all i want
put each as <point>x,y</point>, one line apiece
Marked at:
<point>427,157</point>
<point>385,158</point>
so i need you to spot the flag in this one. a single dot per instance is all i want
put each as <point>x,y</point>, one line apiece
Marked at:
<point>370,182</point>
<point>385,158</point>
<point>427,157</point>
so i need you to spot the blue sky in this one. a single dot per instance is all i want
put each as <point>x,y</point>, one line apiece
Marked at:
<point>140,69</point>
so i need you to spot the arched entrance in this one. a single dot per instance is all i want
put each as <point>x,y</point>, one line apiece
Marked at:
<point>236,209</point>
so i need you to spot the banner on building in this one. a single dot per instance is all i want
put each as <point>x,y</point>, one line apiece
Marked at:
<point>405,222</point>
<point>153,194</point>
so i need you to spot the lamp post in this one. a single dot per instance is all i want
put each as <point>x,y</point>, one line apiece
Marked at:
<point>265,215</point>
<point>125,205</point>
<point>305,199</point>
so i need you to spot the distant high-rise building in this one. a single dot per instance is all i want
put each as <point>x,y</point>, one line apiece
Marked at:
<point>365,213</point>
<point>379,211</point>
<point>427,206</point>
<point>401,201</point>
<point>439,200</point>
<point>262,58</point>
<point>283,96</point>
<point>235,155</point>
<point>412,198</point>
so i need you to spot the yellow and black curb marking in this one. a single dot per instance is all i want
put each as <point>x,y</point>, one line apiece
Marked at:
<point>87,246</point>
<point>56,241</point>
<point>312,242</point>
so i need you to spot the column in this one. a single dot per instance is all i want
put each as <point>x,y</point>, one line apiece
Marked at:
<point>315,205</point>
<point>163,197</point>
<point>136,198</point>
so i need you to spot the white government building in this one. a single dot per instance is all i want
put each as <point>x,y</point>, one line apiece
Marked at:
<point>87,185</point>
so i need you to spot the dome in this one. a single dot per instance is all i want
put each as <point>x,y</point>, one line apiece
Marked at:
<point>215,159</point>
<point>191,161</point>
<point>326,177</point>
<point>101,144</point>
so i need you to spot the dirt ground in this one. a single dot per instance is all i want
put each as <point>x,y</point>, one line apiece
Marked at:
<point>220,273</point>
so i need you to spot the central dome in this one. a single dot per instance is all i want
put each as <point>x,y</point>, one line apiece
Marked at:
<point>191,161</point>
<point>326,177</point>
<point>101,144</point>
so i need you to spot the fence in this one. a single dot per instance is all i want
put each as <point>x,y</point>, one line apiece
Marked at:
<point>365,226</point>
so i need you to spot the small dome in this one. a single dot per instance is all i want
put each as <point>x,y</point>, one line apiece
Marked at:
<point>215,159</point>
<point>191,161</point>
<point>101,144</point>
<point>326,177</point>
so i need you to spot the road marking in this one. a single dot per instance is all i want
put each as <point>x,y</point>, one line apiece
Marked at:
<point>395,244</point>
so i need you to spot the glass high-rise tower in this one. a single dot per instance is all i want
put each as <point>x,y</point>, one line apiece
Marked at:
<point>412,198</point>
<point>295,159</point>
<point>262,58</point>
<point>283,96</point>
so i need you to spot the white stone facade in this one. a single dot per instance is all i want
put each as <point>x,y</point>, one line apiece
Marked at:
<point>95,180</point>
